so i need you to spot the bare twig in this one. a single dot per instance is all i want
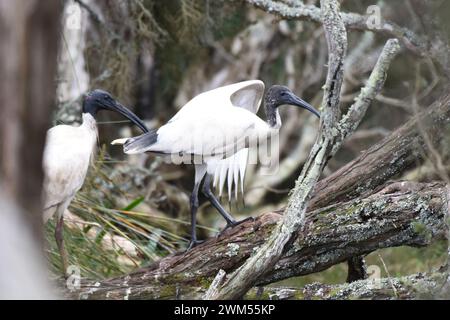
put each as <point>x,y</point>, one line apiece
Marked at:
<point>404,105</point>
<point>394,290</point>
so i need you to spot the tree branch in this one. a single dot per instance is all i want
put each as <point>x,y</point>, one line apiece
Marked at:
<point>299,11</point>
<point>355,114</point>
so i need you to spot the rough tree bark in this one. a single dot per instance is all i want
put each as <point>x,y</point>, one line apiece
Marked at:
<point>400,214</point>
<point>417,286</point>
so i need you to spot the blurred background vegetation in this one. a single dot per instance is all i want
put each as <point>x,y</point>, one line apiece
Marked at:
<point>154,56</point>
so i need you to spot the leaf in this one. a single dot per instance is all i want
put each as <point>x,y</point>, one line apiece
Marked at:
<point>133,204</point>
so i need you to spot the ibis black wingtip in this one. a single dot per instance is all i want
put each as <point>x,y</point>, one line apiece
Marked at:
<point>140,143</point>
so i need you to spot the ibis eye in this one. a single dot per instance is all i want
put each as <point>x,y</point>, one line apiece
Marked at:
<point>283,93</point>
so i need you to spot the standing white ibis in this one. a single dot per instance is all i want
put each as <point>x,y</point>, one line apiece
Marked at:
<point>215,129</point>
<point>67,155</point>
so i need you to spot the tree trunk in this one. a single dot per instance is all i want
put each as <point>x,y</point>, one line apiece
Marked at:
<point>29,33</point>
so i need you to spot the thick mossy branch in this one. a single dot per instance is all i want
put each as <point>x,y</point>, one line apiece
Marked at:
<point>413,216</point>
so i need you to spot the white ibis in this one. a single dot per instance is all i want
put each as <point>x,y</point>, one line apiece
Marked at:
<point>215,129</point>
<point>67,154</point>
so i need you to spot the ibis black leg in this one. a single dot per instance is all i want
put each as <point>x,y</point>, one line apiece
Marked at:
<point>60,243</point>
<point>231,222</point>
<point>194,208</point>
<point>211,198</point>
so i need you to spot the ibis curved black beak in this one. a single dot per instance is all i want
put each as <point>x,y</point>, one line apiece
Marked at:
<point>119,108</point>
<point>292,99</point>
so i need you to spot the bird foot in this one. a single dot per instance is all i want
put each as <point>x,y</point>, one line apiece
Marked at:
<point>193,243</point>
<point>233,224</point>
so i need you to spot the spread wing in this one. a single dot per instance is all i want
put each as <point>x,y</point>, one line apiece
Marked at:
<point>247,95</point>
<point>206,134</point>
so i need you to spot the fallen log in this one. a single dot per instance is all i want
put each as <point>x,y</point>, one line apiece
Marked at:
<point>401,214</point>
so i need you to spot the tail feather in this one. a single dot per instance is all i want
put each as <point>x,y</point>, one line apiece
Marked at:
<point>230,176</point>
<point>231,170</point>
<point>223,172</point>
<point>140,143</point>
<point>236,179</point>
<point>242,164</point>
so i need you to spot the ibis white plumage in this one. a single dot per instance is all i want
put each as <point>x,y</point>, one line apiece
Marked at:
<point>214,130</point>
<point>67,155</point>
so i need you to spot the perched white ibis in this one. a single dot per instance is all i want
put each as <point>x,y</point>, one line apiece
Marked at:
<point>215,129</point>
<point>67,155</point>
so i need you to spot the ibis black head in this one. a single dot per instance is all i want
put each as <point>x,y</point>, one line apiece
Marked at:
<point>280,95</point>
<point>101,100</point>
